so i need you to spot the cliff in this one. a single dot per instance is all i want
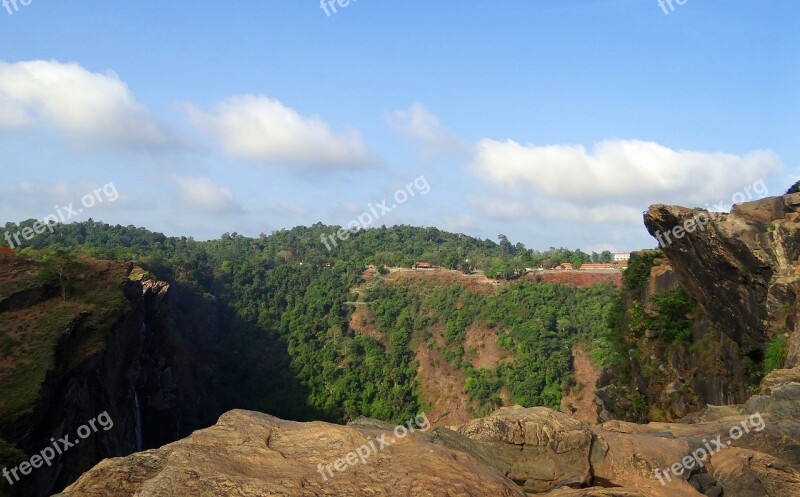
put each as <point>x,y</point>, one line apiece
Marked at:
<point>711,313</point>
<point>67,360</point>
<point>743,268</point>
<point>85,337</point>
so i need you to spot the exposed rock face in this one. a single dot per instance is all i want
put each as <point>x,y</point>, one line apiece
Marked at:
<point>741,267</point>
<point>513,452</point>
<point>252,455</point>
<point>577,278</point>
<point>538,448</point>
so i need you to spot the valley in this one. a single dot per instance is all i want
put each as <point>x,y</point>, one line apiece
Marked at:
<point>175,333</point>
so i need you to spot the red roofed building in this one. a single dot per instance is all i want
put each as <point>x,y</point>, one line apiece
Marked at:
<point>590,266</point>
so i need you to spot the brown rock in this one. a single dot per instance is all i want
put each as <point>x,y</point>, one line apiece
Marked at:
<point>248,454</point>
<point>537,447</point>
<point>745,473</point>
<point>627,455</point>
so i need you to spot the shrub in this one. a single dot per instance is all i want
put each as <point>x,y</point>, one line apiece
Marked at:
<point>635,277</point>
<point>674,308</point>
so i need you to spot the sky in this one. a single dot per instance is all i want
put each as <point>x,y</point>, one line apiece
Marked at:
<point>555,123</point>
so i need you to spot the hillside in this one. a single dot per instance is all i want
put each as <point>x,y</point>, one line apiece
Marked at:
<point>275,324</point>
<point>480,344</point>
<point>80,337</point>
<point>721,398</point>
<point>278,325</point>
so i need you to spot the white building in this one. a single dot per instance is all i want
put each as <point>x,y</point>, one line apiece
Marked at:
<point>622,257</point>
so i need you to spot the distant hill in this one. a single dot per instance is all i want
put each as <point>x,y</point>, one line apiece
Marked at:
<point>275,324</point>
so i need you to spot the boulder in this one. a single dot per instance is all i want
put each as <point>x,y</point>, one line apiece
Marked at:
<point>249,454</point>
<point>538,448</point>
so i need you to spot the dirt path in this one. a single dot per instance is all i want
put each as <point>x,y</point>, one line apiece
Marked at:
<point>580,401</point>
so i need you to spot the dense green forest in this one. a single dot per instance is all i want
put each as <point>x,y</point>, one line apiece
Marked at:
<point>536,323</point>
<point>286,291</point>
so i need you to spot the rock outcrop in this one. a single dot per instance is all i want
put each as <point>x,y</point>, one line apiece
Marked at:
<point>513,452</point>
<point>250,454</point>
<point>743,267</point>
<point>537,448</point>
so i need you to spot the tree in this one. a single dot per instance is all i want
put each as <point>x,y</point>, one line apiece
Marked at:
<point>794,189</point>
<point>61,266</point>
<point>506,247</point>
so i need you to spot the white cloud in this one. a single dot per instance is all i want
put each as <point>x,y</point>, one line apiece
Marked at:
<point>77,199</point>
<point>501,208</point>
<point>622,170</point>
<point>614,182</point>
<point>264,130</point>
<point>13,116</point>
<point>603,213</point>
<point>508,208</point>
<point>419,124</point>
<point>93,110</point>
<point>204,196</point>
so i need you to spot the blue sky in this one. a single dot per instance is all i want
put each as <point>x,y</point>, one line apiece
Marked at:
<point>555,123</point>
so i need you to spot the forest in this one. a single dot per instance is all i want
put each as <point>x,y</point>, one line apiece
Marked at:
<point>286,292</point>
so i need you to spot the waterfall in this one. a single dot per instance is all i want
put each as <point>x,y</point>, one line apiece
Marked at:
<point>137,418</point>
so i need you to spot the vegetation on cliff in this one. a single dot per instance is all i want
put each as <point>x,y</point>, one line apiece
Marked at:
<point>288,296</point>
<point>535,323</point>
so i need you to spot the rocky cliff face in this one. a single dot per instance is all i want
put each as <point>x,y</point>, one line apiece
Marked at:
<point>743,267</point>
<point>161,359</point>
<point>108,359</point>
<point>743,271</point>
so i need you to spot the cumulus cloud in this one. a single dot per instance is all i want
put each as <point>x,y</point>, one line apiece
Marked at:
<point>93,110</point>
<point>419,124</point>
<point>614,181</point>
<point>204,196</point>
<point>38,198</point>
<point>264,130</point>
<point>623,169</point>
<point>603,213</point>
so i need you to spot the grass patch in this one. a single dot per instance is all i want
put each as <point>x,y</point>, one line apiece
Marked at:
<point>775,354</point>
<point>34,354</point>
<point>29,336</point>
